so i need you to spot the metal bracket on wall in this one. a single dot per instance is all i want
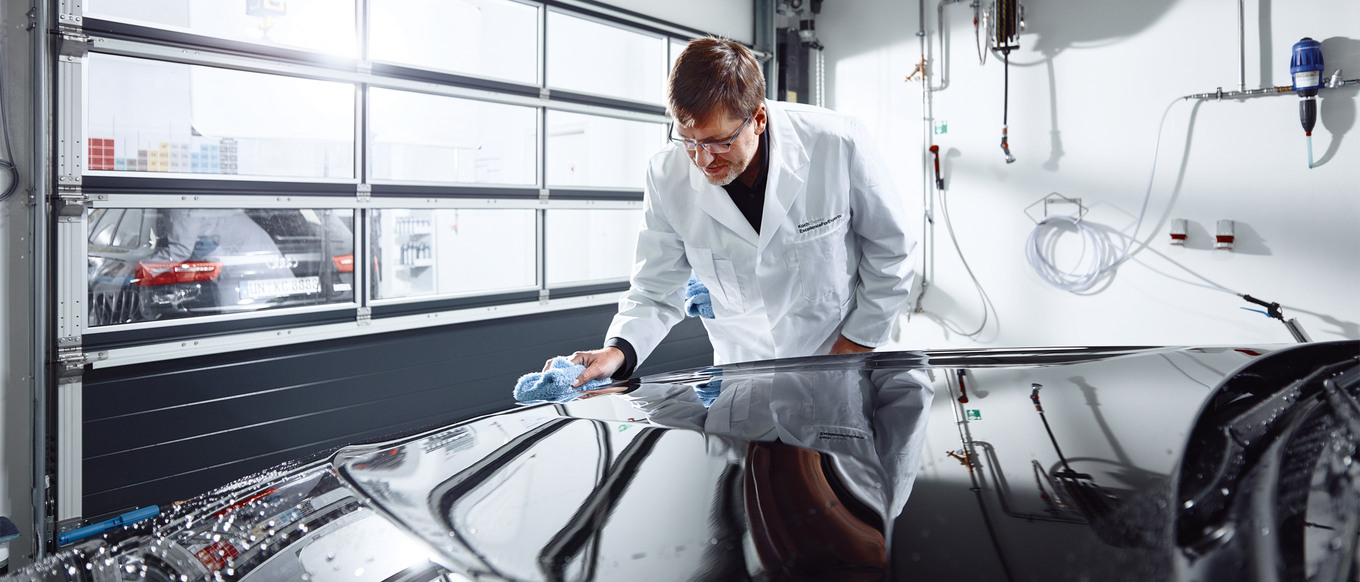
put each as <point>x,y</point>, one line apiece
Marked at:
<point>1056,199</point>
<point>71,202</point>
<point>363,192</point>
<point>72,359</point>
<point>70,12</point>
<point>74,42</point>
<point>363,315</point>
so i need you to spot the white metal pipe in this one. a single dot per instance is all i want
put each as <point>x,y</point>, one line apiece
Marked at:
<point>1263,91</point>
<point>927,184</point>
<point>1241,48</point>
<point>943,58</point>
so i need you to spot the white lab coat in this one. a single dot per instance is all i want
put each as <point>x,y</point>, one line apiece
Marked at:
<point>833,256</point>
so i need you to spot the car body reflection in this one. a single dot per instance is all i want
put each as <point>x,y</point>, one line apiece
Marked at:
<point>148,264</point>
<point>1111,463</point>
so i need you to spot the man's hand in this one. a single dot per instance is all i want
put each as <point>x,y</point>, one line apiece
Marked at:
<point>600,364</point>
<point>845,346</point>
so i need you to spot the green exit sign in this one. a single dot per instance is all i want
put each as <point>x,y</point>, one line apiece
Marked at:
<point>974,414</point>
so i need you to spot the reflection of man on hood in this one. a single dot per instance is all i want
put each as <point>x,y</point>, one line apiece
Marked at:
<point>858,432</point>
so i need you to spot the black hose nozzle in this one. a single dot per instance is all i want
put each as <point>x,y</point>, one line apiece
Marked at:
<point>1308,113</point>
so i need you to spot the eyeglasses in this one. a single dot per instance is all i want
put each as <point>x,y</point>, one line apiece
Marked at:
<point>717,147</point>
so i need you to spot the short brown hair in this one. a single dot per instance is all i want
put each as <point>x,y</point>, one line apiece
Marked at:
<point>715,76</point>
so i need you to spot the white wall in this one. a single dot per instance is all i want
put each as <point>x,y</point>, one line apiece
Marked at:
<point>1087,90</point>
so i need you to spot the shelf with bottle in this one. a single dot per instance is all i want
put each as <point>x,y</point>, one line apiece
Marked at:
<point>413,226</point>
<point>416,254</point>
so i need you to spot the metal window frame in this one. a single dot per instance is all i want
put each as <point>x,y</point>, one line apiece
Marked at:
<point>362,209</point>
<point>57,498</point>
<point>599,98</point>
<point>68,303</point>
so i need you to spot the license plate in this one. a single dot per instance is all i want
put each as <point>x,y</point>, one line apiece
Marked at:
<point>281,287</point>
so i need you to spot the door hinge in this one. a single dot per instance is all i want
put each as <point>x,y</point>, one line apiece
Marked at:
<point>70,202</point>
<point>75,44</point>
<point>73,359</point>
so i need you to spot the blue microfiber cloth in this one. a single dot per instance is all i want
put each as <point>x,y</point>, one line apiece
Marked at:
<point>698,303</point>
<point>8,530</point>
<point>553,385</point>
<point>709,391</point>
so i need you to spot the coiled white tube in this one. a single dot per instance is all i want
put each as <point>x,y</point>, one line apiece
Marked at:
<point>1090,264</point>
<point>1096,250</point>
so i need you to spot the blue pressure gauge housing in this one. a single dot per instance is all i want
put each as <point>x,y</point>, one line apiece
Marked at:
<point>1306,65</point>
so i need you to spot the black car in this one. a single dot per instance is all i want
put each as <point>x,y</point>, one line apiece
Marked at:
<point>148,264</point>
<point>1214,463</point>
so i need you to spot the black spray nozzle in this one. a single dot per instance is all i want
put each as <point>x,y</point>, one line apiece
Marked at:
<point>1308,114</point>
<point>1272,309</point>
<point>1005,143</point>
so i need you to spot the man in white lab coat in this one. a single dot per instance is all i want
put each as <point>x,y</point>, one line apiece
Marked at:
<point>784,212</point>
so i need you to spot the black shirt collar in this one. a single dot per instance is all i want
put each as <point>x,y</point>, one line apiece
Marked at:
<point>751,200</point>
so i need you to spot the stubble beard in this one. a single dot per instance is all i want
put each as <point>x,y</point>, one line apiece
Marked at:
<point>724,178</point>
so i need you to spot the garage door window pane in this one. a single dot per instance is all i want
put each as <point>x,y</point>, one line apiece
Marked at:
<point>596,58</point>
<point>590,246</point>
<point>325,26</point>
<point>483,38</point>
<point>430,138</point>
<point>426,252</point>
<point>156,117</point>
<point>174,263</point>
<point>600,152</point>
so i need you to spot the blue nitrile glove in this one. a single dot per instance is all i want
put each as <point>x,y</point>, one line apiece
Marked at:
<point>698,303</point>
<point>709,391</point>
<point>553,385</point>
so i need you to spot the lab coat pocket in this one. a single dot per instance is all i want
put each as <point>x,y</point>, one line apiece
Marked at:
<point>821,265</point>
<point>719,275</point>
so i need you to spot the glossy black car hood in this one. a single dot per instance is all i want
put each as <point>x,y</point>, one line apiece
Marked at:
<point>1110,463</point>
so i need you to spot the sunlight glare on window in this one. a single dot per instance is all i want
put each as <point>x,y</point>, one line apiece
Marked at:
<point>325,26</point>
<point>483,38</point>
